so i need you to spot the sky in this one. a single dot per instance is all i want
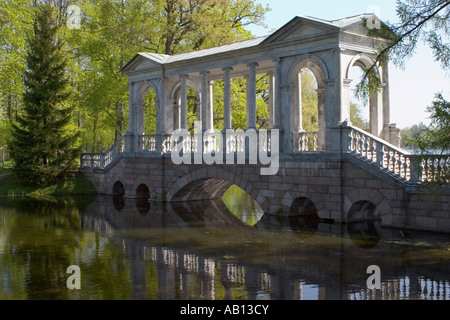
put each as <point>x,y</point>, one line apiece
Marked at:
<point>411,89</point>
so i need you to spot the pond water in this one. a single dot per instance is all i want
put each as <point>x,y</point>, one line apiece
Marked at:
<point>214,250</point>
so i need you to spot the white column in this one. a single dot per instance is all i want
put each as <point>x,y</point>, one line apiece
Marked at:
<point>277,94</point>
<point>227,98</point>
<point>299,109</point>
<point>346,101</point>
<point>386,97</point>
<point>205,113</point>
<point>176,115</point>
<point>251,96</point>
<point>211,105</point>
<point>322,120</point>
<point>183,103</point>
<point>271,99</point>
<point>376,112</point>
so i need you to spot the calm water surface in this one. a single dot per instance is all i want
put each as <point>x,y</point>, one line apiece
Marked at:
<point>128,249</point>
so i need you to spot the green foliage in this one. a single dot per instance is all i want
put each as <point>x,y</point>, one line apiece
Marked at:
<point>310,111</point>
<point>43,139</point>
<point>436,137</point>
<point>424,21</point>
<point>112,33</point>
<point>356,117</point>
<point>411,134</point>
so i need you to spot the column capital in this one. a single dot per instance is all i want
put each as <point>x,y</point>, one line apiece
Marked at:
<point>184,76</point>
<point>320,91</point>
<point>204,73</point>
<point>227,69</point>
<point>252,64</point>
<point>347,82</point>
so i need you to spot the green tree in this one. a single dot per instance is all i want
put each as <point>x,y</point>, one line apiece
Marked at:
<point>424,21</point>
<point>43,141</point>
<point>410,134</point>
<point>357,118</point>
<point>436,137</point>
<point>112,32</point>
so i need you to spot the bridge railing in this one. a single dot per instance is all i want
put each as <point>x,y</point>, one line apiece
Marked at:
<point>231,143</point>
<point>306,141</point>
<point>101,160</point>
<point>406,166</point>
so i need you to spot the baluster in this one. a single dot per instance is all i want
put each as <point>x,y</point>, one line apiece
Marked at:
<point>425,169</point>
<point>394,161</point>
<point>388,159</point>
<point>350,141</point>
<point>405,168</point>
<point>306,144</point>
<point>374,151</point>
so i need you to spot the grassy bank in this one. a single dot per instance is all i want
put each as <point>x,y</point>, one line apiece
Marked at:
<point>76,185</point>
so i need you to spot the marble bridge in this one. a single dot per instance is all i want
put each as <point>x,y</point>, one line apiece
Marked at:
<point>340,173</point>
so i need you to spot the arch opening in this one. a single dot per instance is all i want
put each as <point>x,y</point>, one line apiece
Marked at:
<point>242,205</point>
<point>142,198</point>
<point>118,189</point>
<point>362,211</point>
<point>237,201</point>
<point>359,111</point>
<point>118,193</point>
<point>308,105</point>
<point>193,107</point>
<point>364,224</point>
<point>303,215</point>
<point>150,109</point>
<point>142,192</point>
<point>364,112</point>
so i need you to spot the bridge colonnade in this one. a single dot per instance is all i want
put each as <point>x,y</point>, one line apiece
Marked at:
<point>327,49</point>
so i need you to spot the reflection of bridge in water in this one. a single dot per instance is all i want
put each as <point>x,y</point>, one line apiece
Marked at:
<point>207,256</point>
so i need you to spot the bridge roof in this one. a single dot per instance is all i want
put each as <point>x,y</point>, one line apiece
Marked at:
<point>291,30</point>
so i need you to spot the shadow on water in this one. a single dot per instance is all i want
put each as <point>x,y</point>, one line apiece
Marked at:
<point>204,250</point>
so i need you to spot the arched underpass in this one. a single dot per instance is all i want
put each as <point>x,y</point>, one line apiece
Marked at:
<point>192,199</point>
<point>202,189</point>
<point>363,226</point>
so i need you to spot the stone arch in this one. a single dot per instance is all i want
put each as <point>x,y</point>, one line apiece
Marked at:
<point>302,206</point>
<point>118,188</point>
<point>313,62</point>
<point>175,96</point>
<point>142,88</point>
<point>142,191</point>
<point>375,102</point>
<point>304,192</point>
<point>320,71</point>
<point>212,183</point>
<point>142,198</point>
<point>361,60</point>
<point>362,210</point>
<point>303,215</point>
<point>138,93</point>
<point>363,197</point>
<point>118,193</point>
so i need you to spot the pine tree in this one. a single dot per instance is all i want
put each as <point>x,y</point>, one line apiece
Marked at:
<point>43,139</point>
